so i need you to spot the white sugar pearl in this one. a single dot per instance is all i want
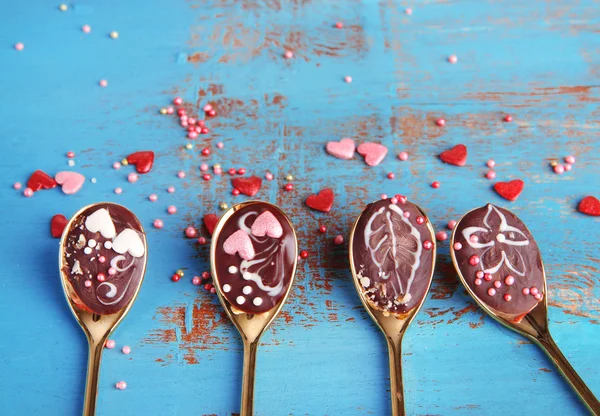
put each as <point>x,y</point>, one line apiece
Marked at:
<point>232,269</point>
<point>240,300</point>
<point>247,290</point>
<point>257,301</point>
<point>92,243</point>
<point>87,250</point>
<point>108,245</point>
<point>226,288</point>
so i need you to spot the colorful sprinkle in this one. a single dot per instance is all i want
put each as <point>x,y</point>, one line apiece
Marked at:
<point>118,191</point>
<point>172,209</point>
<point>403,156</point>
<point>110,344</point>
<point>121,385</point>
<point>457,246</point>
<point>158,224</point>
<point>441,235</point>
<point>491,291</point>
<point>153,197</point>
<point>190,232</point>
<point>86,28</point>
<point>126,349</point>
<point>453,59</point>
<point>570,159</point>
<point>103,83</point>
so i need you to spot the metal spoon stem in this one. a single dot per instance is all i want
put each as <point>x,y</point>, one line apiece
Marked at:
<point>396,386</point>
<point>93,372</point>
<point>560,361</point>
<point>250,349</point>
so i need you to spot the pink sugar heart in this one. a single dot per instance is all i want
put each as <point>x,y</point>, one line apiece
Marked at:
<point>267,224</point>
<point>71,182</point>
<point>240,243</point>
<point>344,149</point>
<point>372,152</point>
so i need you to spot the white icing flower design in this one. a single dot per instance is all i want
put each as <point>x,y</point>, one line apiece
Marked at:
<point>500,241</point>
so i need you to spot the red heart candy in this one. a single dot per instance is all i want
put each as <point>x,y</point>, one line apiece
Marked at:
<point>323,201</point>
<point>510,190</point>
<point>590,206</point>
<point>456,156</point>
<point>40,180</point>
<point>57,225</point>
<point>247,186</point>
<point>142,160</point>
<point>210,222</point>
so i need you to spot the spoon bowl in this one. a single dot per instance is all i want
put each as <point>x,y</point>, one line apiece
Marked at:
<point>410,259</point>
<point>96,307</point>
<point>478,247</point>
<point>253,255</point>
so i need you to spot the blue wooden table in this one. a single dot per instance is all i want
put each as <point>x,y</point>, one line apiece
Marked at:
<point>535,60</point>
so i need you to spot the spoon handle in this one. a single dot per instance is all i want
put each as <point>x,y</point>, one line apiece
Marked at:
<point>396,387</point>
<point>250,348</point>
<point>570,374</point>
<point>93,371</point>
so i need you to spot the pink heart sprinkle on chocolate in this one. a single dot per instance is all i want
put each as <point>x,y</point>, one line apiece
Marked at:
<point>267,224</point>
<point>240,243</point>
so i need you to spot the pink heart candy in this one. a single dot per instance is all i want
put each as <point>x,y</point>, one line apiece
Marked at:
<point>267,224</point>
<point>344,149</point>
<point>372,152</point>
<point>71,182</point>
<point>240,243</point>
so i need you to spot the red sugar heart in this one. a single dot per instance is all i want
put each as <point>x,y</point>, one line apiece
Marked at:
<point>40,180</point>
<point>57,225</point>
<point>142,160</point>
<point>456,156</point>
<point>590,206</point>
<point>210,222</point>
<point>247,186</point>
<point>510,190</point>
<point>323,201</point>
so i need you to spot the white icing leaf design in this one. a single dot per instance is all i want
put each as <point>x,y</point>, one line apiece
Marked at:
<point>394,247</point>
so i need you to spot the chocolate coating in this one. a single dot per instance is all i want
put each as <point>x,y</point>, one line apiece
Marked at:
<point>110,296</point>
<point>392,266</point>
<point>504,247</point>
<point>268,274</point>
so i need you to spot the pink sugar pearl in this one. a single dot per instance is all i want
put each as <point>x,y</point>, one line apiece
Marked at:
<point>87,283</point>
<point>491,163</point>
<point>158,224</point>
<point>453,59</point>
<point>28,192</point>
<point>202,240</point>
<point>403,156</point>
<point>441,235</point>
<point>408,11</point>
<point>19,46</point>
<point>207,108</point>
<point>126,349</point>
<point>220,145</point>
<point>132,177</point>
<point>339,239</point>
<point>17,185</point>
<point>171,189</point>
<point>451,224</point>
<point>190,232</point>
<point>570,159</point>
<point>153,197</point>
<point>568,167</point>
<point>172,209</point>
<point>112,271</point>
<point>457,246</point>
<point>441,122</point>
<point>181,174</point>
<point>86,28</point>
<point>490,175</point>
<point>118,191</point>
<point>287,55</point>
<point>103,83</point>
<point>559,169</point>
<point>203,167</point>
<point>269,176</point>
<point>348,79</point>
<point>121,385</point>
<point>196,280</point>
<point>110,344</point>
<point>192,135</point>
<point>116,165</point>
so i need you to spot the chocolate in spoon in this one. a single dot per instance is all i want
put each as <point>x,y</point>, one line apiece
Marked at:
<point>392,257</point>
<point>102,262</point>
<point>500,264</point>
<point>253,258</point>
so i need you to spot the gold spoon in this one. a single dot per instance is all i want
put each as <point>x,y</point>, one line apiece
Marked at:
<point>99,317</point>
<point>238,280</point>
<point>393,320</point>
<point>530,318</point>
